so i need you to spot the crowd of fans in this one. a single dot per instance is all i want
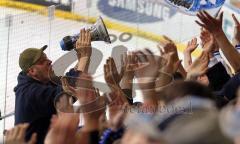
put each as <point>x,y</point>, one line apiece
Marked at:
<point>194,103</point>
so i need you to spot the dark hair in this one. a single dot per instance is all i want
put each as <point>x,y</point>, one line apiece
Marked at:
<point>183,88</point>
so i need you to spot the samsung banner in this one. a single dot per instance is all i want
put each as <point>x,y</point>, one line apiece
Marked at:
<point>142,11</point>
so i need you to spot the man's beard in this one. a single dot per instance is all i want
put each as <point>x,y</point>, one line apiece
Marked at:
<point>53,78</point>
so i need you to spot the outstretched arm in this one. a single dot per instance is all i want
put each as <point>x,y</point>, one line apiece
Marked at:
<point>168,46</point>
<point>214,25</point>
<point>236,37</point>
<point>191,46</point>
<point>84,50</point>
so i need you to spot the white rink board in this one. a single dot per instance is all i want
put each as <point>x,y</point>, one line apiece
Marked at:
<point>33,30</point>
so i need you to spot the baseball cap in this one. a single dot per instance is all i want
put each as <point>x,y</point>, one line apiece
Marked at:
<point>29,57</point>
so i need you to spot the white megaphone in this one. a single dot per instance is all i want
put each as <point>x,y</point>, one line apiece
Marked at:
<point>98,32</point>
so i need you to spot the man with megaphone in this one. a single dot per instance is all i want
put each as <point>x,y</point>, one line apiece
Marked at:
<point>36,90</point>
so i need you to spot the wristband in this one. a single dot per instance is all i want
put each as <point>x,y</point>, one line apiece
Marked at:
<point>110,136</point>
<point>216,53</point>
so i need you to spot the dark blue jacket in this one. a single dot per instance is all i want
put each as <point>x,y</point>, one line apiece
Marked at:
<point>217,76</point>
<point>229,90</point>
<point>34,104</point>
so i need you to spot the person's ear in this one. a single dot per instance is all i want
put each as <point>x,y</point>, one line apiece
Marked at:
<point>31,71</point>
<point>58,106</point>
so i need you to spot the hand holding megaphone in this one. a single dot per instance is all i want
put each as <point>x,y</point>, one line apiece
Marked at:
<point>83,44</point>
<point>98,32</point>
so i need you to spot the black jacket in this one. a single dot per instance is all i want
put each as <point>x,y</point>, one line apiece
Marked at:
<point>217,76</point>
<point>34,104</point>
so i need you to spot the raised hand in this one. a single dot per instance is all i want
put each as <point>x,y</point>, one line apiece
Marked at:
<point>92,105</point>
<point>168,46</point>
<point>84,50</point>
<point>113,69</point>
<point>66,87</point>
<point>148,65</point>
<point>209,43</point>
<point>213,25</point>
<point>129,63</point>
<point>83,88</point>
<point>171,65</point>
<point>199,66</point>
<point>17,135</point>
<point>83,44</point>
<point>63,129</point>
<point>85,92</point>
<point>191,46</point>
<point>236,36</point>
<point>111,75</point>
